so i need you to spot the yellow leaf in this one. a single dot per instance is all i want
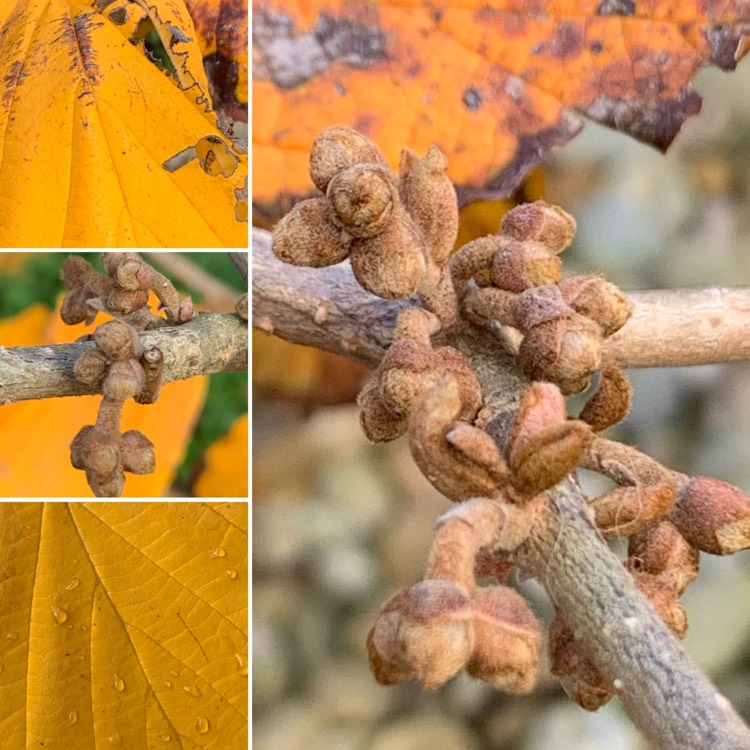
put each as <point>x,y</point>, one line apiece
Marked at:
<point>87,122</point>
<point>225,474</point>
<point>123,625</point>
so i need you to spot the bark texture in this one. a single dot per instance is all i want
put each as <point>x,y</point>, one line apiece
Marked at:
<point>208,344</point>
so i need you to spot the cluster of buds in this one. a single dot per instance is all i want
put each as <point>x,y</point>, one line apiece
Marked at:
<point>397,231</point>
<point>116,366</point>
<point>669,519</point>
<point>123,292</point>
<point>518,282</point>
<point>447,622</point>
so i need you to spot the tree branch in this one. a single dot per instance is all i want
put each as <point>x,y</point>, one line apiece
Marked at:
<point>208,344</point>
<point>327,309</point>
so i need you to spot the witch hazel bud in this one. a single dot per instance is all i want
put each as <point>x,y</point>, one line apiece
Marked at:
<point>520,265</point>
<point>598,299</point>
<point>307,236</point>
<point>424,633</point>
<point>507,639</point>
<point>364,199</point>
<point>430,198</point>
<point>611,402</point>
<point>628,510</point>
<point>337,149</point>
<point>663,552</point>
<point>540,221</point>
<point>713,515</point>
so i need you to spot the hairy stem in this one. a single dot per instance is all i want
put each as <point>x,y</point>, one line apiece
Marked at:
<point>327,309</point>
<point>208,344</point>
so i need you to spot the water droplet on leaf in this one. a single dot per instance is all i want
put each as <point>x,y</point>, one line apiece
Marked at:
<point>219,552</point>
<point>74,584</point>
<point>118,683</point>
<point>201,725</point>
<point>231,574</point>
<point>59,615</point>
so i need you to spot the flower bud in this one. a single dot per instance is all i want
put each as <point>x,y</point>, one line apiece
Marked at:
<point>520,265</point>
<point>337,149</point>
<point>306,236</point>
<point>364,198</point>
<point>598,299</point>
<point>610,403</point>
<point>540,221</point>
<point>430,198</point>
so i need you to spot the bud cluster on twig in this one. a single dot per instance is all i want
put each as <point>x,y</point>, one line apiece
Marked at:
<point>398,233</point>
<point>119,365</point>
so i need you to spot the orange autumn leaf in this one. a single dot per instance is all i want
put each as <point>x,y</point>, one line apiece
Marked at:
<point>36,435</point>
<point>494,84</point>
<point>89,119</point>
<point>225,473</point>
<point>124,625</point>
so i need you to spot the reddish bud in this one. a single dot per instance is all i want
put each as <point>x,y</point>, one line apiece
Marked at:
<point>337,149</point>
<point>713,515</point>
<point>628,510</point>
<point>507,638</point>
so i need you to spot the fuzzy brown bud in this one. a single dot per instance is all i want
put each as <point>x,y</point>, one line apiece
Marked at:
<point>337,149</point>
<point>520,265</point>
<point>543,446</point>
<point>403,373</point>
<point>306,236</point>
<point>364,198</point>
<point>423,633</point>
<point>507,638</point>
<point>379,424</point>
<point>460,464</point>
<point>117,340</point>
<point>123,380</point>
<point>713,515</point>
<point>662,551</point>
<point>137,453</point>
<point>542,222</point>
<point>580,679</point>
<point>566,352</point>
<point>430,198</point>
<point>392,264</point>
<point>628,510</point>
<point>598,299</point>
<point>90,367</point>
<point>611,402</point>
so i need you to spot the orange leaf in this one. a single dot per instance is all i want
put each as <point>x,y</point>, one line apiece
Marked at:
<point>494,84</point>
<point>225,474</point>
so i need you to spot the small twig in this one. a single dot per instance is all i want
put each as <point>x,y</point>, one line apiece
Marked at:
<point>326,308</point>
<point>208,344</point>
<point>217,295</point>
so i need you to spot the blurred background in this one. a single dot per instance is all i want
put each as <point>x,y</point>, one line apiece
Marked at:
<point>198,426</point>
<point>341,525</point>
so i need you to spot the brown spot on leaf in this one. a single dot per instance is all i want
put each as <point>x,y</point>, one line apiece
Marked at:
<point>472,98</point>
<point>293,60</point>
<point>532,149</point>
<point>616,8</point>
<point>656,122</point>
<point>568,40</point>
<point>11,81</point>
